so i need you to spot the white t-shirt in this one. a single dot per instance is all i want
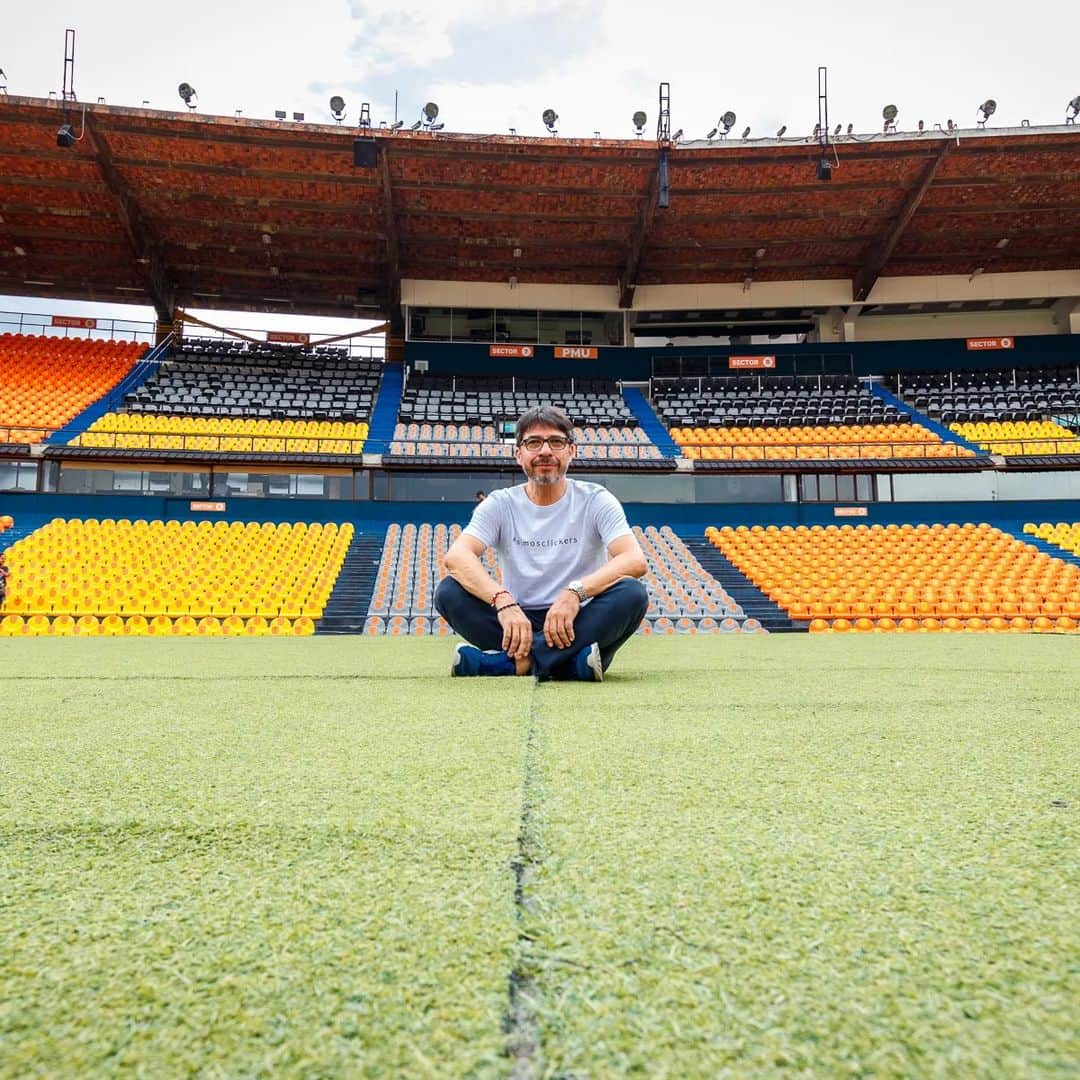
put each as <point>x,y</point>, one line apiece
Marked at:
<point>543,548</point>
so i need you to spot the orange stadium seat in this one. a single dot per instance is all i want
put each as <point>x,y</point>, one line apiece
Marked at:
<point>952,578</point>
<point>48,381</point>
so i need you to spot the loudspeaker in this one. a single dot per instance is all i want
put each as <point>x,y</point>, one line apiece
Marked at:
<point>365,154</point>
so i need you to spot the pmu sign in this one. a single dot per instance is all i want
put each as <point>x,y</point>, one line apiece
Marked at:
<point>757,362</point>
<point>976,343</point>
<point>576,352</point>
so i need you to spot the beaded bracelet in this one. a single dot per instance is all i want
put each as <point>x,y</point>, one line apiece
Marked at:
<point>505,606</point>
<point>501,592</point>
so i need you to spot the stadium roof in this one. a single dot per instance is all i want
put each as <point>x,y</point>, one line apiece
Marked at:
<point>177,209</point>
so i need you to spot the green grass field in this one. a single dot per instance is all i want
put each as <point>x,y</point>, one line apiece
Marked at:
<point>738,856</point>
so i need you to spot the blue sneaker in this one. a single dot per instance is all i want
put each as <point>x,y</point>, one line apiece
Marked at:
<point>469,660</point>
<point>586,665</point>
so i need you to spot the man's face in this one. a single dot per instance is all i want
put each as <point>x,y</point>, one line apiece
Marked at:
<point>545,464</point>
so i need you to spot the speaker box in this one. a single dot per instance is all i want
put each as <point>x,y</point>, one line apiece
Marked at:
<point>365,154</point>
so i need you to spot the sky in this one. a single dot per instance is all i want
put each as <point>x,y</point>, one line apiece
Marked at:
<point>492,65</point>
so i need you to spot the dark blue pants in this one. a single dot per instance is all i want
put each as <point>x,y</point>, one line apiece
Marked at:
<point>608,619</point>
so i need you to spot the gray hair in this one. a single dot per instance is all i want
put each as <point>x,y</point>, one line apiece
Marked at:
<point>543,416</point>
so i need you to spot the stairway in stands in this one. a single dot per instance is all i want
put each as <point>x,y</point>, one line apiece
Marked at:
<point>384,412</point>
<point>747,595</point>
<point>347,608</point>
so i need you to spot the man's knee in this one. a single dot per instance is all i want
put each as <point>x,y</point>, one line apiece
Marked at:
<point>448,594</point>
<point>632,595</point>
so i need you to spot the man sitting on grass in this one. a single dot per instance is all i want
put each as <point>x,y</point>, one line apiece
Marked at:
<point>568,599</point>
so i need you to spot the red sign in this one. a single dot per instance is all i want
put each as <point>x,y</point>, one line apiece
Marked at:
<point>576,352</point>
<point>212,507</point>
<point>991,343</point>
<point>74,320</point>
<point>521,351</point>
<point>283,337</point>
<point>751,362</point>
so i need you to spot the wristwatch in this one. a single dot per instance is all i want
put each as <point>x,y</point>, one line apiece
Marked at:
<point>576,586</point>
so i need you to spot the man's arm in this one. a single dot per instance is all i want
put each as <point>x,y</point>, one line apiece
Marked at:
<point>626,560</point>
<point>464,566</point>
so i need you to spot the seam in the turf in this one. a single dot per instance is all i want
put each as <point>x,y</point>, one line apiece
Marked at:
<point>522,1025</point>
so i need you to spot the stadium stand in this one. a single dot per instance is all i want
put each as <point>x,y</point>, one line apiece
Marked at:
<point>791,418</point>
<point>905,577</point>
<point>1007,411</point>
<point>113,577</point>
<point>1064,535</point>
<point>683,597</point>
<point>463,417</point>
<point>47,381</point>
<point>220,397</point>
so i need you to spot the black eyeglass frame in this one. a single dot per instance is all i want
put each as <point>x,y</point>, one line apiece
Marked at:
<point>541,439</point>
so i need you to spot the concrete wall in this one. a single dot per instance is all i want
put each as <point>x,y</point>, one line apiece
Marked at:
<point>961,325</point>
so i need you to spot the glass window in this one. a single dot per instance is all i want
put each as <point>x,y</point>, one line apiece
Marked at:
<point>518,327</point>
<point>601,328</point>
<point>429,324</point>
<point>845,487</point>
<point>472,324</point>
<point>864,488</point>
<point>560,328</point>
<point>827,487</point>
<point>808,487</point>
<point>18,475</point>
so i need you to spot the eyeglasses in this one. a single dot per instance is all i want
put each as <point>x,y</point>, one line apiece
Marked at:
<point>535,442</point>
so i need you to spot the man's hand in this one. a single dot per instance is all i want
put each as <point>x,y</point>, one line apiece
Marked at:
<point>559,624</point>
<point>517,631</point>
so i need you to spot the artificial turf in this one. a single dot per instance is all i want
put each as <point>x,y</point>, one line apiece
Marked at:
<point>738,855</point>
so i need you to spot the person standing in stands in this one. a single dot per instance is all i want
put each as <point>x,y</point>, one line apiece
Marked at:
<point>569,597</point>
<point>5,573</point>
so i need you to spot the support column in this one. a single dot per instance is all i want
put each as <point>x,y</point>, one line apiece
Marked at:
<point>1067,315</point>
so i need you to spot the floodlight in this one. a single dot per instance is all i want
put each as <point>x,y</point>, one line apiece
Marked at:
<point>397,125</point>
<point>950,126</point>
<point>712,134</point>
<point>337,107</point>
<point>677,136</point>
<point>1073,110</point>
<point>431,112</point>
<point>436,127</point>
<point>817,131</point>
<point>298,117</point>
<point>550,118</point>
<point>889,114</point>
<point>837,129</point>
<point>639,120</point>
<point>987,108</point>
<point>922,127</point>
<point>187,92</point>
<point>415,127</point>
<point>728,120</point>
<point>850,129</point>
<point>746,133</point>
<point>780,133</point>
<point>65,137</point>
<point>279,114</point>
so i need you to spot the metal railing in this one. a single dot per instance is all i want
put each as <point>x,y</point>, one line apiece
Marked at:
<point>824,451</point>
<point>219,443</point>
<point>16,433</point>
<point>588,450</point>
<point>1035,446</point>
<point>19,322</point>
